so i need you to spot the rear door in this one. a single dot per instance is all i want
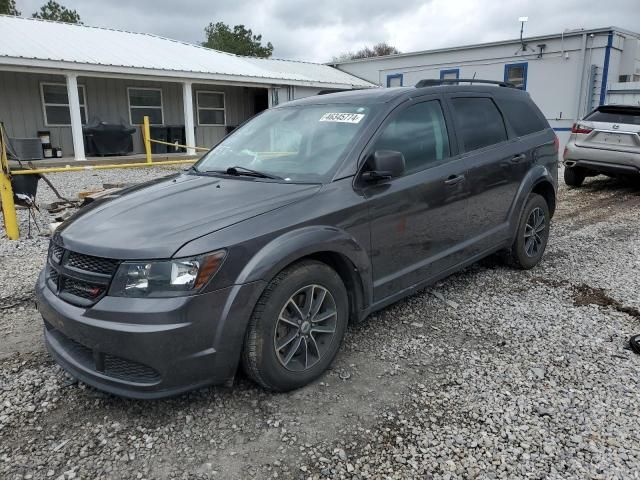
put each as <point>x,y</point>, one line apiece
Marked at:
<point>417,220</point>
<point>615,128</point>
<point>496,166</point>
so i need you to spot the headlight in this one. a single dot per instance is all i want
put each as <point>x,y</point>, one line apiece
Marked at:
<point>165,278</point>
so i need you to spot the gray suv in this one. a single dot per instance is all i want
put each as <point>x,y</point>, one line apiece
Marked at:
<point>310,216</point>
<point>606,141</point>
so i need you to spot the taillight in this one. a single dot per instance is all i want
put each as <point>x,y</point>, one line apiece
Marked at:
<point>564,154</point>
<point>579,128</point>
<point>556,143</point>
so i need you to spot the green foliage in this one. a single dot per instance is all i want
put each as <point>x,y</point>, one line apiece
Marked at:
<point>240,40</point>
<point>377,50</point>
<point>8,7</point>
<point>54,11</point>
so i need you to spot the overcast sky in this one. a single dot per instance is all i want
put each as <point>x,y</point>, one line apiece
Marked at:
<point>317,30</point>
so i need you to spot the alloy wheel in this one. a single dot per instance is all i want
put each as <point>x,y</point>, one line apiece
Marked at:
<point>305,328</point>
<point>534,232</point>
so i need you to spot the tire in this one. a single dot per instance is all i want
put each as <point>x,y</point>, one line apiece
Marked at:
<point>574,176</point>
<point>535,216</point>
<point>278,325</point>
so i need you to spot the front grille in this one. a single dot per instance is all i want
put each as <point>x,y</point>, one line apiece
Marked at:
<point>82,354</point>
<point>82,289</point>
<point>77,278</point>
<point>105,363</point>
<point>106,266</point>
<point>127,370</point>
<point>53,278</point>
<point>55,252</point>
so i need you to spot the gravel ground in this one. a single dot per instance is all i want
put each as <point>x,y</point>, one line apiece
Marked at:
<point>492,373</point>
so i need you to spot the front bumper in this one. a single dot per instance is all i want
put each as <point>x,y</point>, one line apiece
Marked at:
<point>149,348</point>
<point>602,160</point>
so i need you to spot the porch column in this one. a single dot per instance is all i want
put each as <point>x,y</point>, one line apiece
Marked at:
<point>273,96</point>
<point>189,127</point>
<point>76,119</point>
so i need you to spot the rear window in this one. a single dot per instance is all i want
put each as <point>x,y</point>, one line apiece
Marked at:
<point>631,116</point>
<point>479,121</point>
<point>522,116</point>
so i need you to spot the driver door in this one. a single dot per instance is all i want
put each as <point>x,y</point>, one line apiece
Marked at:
<point>417,221</point>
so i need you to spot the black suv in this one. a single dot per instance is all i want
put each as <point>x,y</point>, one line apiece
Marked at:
<point>311,215</point>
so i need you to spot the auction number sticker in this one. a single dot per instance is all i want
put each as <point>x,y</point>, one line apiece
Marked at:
<point>342,117</point>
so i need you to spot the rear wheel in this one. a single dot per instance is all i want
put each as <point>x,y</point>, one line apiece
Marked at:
<point>297,327</point>
<point>533,233</point>
<point>574,176</point>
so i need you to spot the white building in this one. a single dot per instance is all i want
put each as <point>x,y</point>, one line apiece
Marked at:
<point>58,77</point>
<point>567,74</point>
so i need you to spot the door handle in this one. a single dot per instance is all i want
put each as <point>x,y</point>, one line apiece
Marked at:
<point>518,158</point>
<point>454,179</point>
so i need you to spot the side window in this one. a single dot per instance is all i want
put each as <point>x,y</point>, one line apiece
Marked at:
<point>522,116</point>
<point>420,133</point>
<point>479,121</point>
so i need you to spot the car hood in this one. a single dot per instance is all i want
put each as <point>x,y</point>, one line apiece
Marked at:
<point>155,219</point>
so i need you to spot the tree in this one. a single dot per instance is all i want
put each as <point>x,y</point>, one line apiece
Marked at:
<point>54,11</point>
<point>240,40</point>
<point>377,50</point>
<point>8,7</point>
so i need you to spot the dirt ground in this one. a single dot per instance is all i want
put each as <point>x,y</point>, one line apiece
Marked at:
<point>491,373</point>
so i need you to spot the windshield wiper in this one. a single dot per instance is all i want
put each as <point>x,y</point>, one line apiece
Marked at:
<point>237,170</point>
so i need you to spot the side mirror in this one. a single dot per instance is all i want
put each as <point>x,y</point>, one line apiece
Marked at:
<point>384,165</point>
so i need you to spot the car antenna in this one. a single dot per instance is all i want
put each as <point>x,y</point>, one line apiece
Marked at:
<point>473,78</point>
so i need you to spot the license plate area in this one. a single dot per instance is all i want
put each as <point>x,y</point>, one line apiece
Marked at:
<point>615,139</point>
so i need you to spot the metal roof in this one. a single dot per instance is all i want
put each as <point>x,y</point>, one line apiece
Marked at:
<point>27,42</point>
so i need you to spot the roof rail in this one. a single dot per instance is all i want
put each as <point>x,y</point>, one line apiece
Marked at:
<point>429,82</point>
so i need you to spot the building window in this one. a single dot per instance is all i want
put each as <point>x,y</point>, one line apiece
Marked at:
<point>450,74</point>
<point>210,106</point>
<point>394,80</point>
<point>55,104</point>
<point>516,73</point>
<point>145,102</point>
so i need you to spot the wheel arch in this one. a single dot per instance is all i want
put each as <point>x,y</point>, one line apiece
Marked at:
<point>350,277</point>
<point>539,180</point>
<point>545,189</point>
<point>329,245</point>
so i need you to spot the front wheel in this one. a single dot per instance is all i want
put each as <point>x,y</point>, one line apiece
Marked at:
<point>297,327</point>
<point>533,233</point>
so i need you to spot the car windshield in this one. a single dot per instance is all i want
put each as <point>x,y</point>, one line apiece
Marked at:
<point>293,144</point>
<point>630,116</point>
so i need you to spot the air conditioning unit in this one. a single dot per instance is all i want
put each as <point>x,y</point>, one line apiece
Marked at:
<point>25,148</point>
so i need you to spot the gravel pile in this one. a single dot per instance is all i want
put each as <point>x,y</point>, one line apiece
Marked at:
<point>491,373</point>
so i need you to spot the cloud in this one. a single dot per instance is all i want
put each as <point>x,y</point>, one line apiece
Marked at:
<point>318,30</point>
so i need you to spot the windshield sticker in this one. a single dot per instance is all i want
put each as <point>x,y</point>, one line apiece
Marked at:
<point>342,117</point>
